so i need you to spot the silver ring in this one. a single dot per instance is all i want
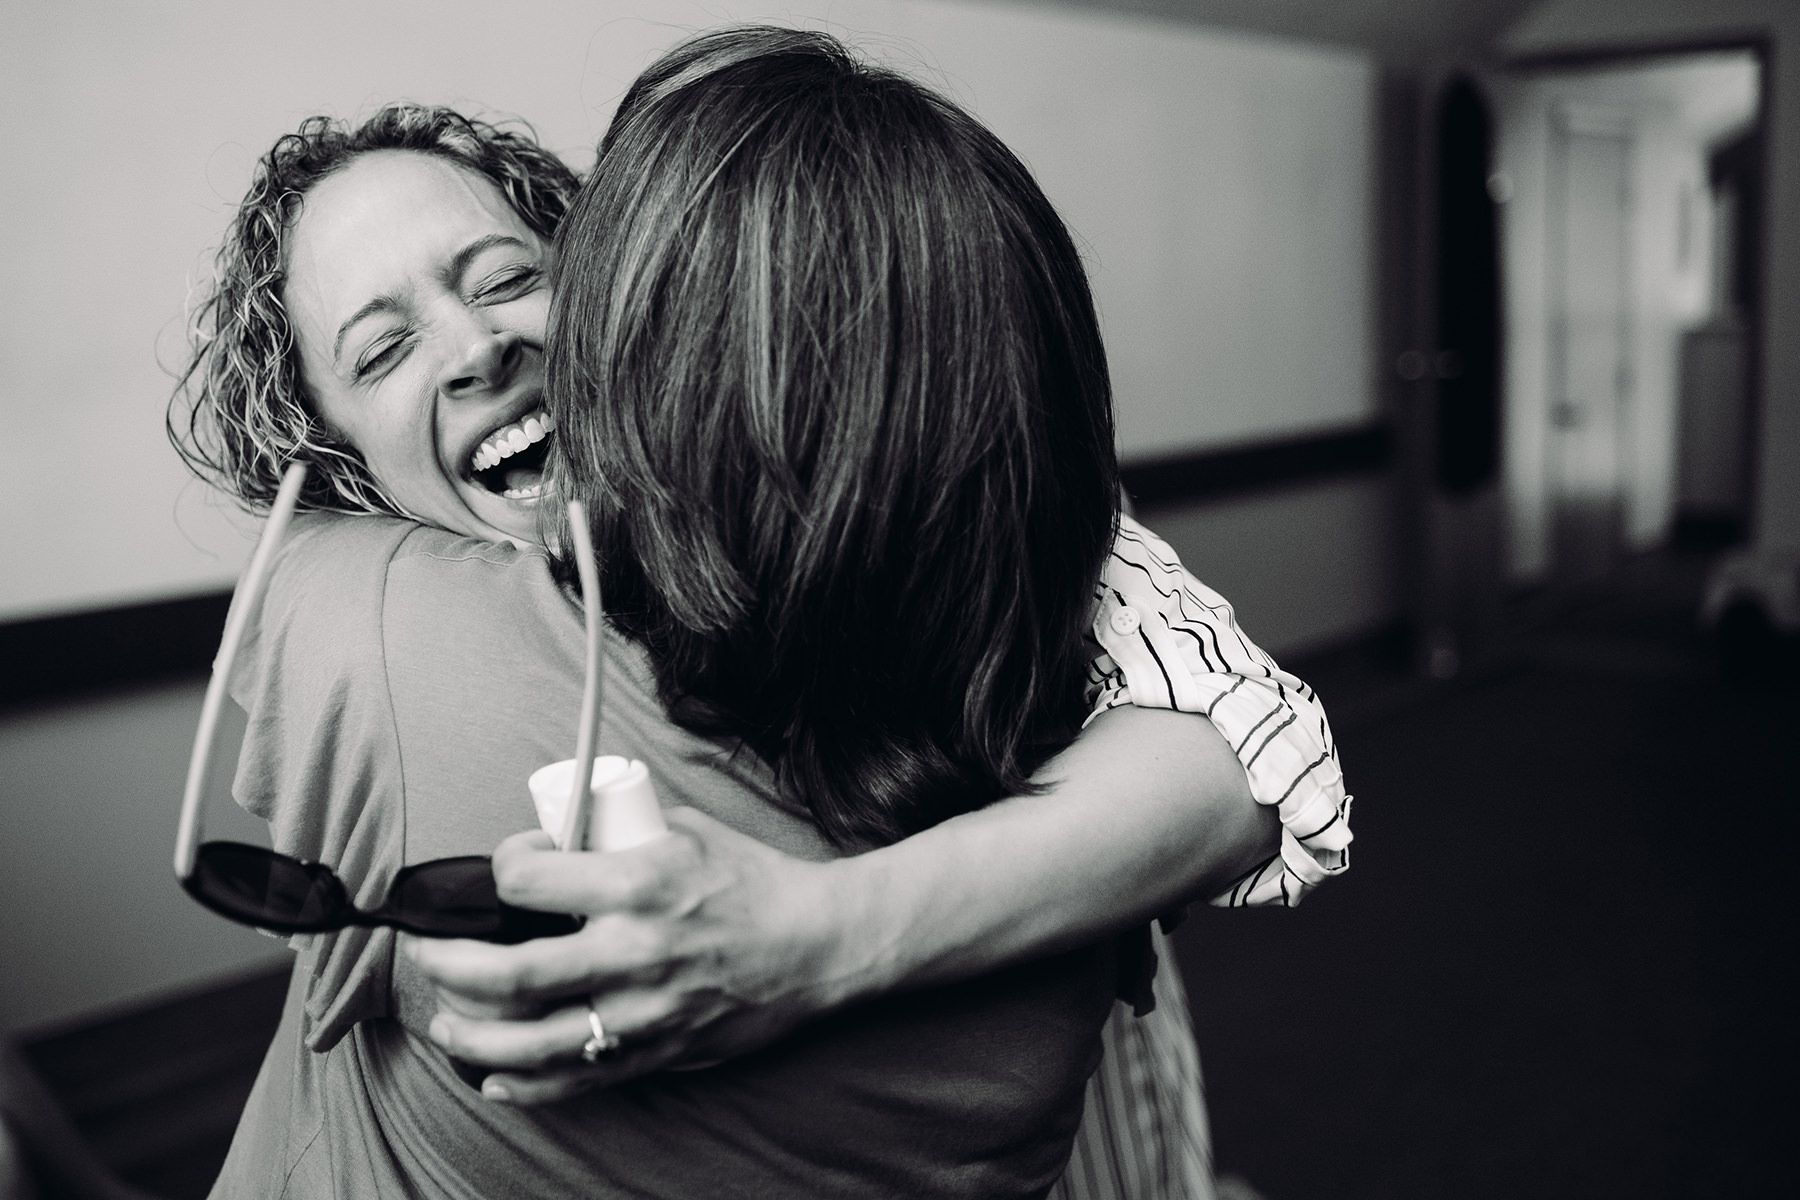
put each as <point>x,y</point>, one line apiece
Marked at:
<point>602,1043</point>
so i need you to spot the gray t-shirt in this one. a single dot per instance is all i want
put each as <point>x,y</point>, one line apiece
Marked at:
<point>401,684</point>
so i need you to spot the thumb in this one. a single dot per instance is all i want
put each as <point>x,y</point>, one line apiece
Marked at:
<point>532,841</point>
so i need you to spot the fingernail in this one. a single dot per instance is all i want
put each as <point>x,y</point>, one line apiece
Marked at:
<point>440,1029</point>
<point>493,1089</point>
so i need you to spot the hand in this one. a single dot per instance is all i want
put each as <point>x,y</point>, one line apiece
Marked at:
<point>698,946</point>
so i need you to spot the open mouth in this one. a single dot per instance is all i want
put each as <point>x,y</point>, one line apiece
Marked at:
<point>510,461</point>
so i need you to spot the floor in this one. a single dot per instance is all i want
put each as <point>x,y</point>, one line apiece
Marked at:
<point>1562,962</point>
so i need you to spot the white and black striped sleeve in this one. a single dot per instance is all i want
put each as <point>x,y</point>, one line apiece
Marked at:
<point>1169,641</point>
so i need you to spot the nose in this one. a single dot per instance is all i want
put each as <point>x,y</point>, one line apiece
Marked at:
<point>484,361</point>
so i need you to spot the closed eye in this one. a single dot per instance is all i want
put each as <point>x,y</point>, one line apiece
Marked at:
<point>383,353</point>
<point>509,283</point>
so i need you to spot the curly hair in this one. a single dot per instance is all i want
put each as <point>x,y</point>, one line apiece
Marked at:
<point>239,414</point>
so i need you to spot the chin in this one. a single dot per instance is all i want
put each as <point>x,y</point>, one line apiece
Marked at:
<point>515,519</point>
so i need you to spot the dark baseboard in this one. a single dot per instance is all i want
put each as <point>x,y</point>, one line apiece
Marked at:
<point>55,657</point>
<point>157,1091</point>
<point>1213,475</point>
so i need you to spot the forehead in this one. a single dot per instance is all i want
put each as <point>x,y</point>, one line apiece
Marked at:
<point>386,216</point>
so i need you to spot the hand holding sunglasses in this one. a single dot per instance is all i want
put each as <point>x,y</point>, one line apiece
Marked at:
<point>447,897</point>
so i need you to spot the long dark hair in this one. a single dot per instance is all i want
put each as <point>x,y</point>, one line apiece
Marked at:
<point>826,369</point>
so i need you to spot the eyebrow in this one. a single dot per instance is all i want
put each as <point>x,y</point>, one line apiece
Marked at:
<point>459,263</point>
<point>380,304</point>
<point>452,274</point>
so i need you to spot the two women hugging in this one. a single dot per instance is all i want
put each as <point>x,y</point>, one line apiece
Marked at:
<point>939,729</point>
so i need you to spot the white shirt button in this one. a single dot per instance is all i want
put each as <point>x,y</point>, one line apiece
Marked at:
<point>1125,621</point>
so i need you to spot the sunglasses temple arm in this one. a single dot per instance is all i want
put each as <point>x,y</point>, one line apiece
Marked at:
<point>249,592</point>
<point>580,792</point>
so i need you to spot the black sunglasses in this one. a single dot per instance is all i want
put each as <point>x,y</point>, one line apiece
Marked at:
<point>448,897</point>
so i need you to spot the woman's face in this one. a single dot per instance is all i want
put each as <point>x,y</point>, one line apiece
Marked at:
<point>419,301</point>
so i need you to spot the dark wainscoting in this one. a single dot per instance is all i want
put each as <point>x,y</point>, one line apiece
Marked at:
<point>53,657</point>
<point>1209,475</point>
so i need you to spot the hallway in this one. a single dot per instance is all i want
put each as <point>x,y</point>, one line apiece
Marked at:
<point>1563,962</point>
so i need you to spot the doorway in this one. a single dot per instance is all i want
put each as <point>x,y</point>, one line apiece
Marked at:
<point>1589,333</point>
<point>1630,337</point>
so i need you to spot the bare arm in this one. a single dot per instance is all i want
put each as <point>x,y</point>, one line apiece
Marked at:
<point>1149,809</point>
<point>708,944</point>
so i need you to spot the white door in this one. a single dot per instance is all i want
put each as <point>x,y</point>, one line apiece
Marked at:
<point>1590,376</point>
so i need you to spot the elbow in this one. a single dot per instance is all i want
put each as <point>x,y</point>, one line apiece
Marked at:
<point>1244,837</point>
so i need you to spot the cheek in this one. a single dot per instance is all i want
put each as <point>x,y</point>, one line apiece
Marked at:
<point>393,431</point>
<point>528,316</point>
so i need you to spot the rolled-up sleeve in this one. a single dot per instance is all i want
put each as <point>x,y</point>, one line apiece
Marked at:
<point>1169,641</point>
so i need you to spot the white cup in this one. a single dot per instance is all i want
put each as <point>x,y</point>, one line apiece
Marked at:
<point>624,812</point>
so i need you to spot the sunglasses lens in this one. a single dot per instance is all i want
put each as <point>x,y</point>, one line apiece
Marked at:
<point>455,897</point>
<point>450,897</point>
<point>260,887</point>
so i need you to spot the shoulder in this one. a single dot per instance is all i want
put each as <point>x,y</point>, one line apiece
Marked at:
<point>435,577</point>
<point>431,552</point>
<point>323,597</point>
<point>333,555</point>
<point>463,621</point>
<point>319,628</point>
<point>348,572</point>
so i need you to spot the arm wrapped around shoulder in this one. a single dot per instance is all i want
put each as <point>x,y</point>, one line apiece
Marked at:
<point>1172,642</point>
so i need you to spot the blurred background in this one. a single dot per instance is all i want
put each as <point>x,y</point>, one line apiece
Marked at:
<point>1456,341</point>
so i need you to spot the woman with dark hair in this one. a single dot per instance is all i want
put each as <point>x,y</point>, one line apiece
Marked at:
<point>957,1090</point>
<point>827,371</point>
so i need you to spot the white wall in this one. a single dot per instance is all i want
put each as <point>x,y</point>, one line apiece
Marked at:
<point>1308,567</point>
<point>1559,25</point>
<point>1671,112</point>
<point>1220,183</point>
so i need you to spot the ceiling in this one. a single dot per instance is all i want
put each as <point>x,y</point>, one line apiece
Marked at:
<point>1394,30</point>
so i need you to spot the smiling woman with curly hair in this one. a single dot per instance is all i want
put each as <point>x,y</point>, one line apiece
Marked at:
<point>241,410</point>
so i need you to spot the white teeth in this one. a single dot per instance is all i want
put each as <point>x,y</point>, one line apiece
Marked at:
<point>524,493</point>
<point>502,444</point>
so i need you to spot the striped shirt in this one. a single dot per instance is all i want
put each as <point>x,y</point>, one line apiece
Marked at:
<point>1144,1133</point>
<point>1172,642</point>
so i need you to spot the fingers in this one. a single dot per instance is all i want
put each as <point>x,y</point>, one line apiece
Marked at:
<point>553,1045</point>
<point>559,1083</point>
<point>546,1088</point>
<point>550,1040</point>
<point>499,974</point>
<point>531,873</point>
<point>606,952</point>
<point>531,839</point>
